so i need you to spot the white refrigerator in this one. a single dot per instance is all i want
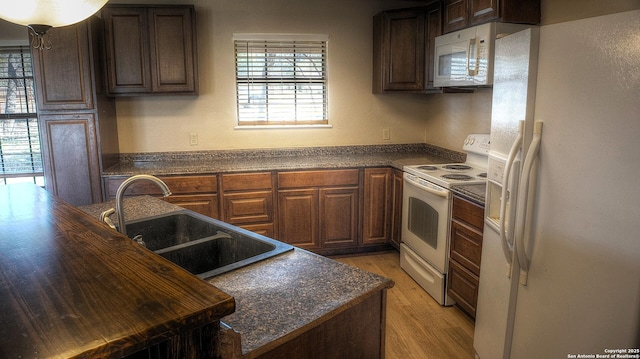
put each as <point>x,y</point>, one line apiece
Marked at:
<point>573,236</point>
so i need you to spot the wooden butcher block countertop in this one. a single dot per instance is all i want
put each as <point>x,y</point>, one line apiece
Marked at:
<point>71,287</point>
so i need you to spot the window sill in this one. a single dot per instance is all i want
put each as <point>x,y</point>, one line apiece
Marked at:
<point>279,127</point>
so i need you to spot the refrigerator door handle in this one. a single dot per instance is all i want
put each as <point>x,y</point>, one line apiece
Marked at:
<point>526,197</point>
<point>507,245</point>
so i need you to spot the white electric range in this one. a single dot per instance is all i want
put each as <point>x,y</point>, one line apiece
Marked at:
<point>473,171</point>
<point>426,214</point>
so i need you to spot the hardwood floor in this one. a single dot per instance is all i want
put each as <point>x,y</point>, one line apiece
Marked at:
<point>417,326</point>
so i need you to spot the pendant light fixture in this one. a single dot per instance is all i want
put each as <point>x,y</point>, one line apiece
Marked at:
<point>41,15</point>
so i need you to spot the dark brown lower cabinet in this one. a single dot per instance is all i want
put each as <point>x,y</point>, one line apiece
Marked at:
<point>298,218</point>
<point>329,212</point>
<point>70,157</point>
<point>376,226</point>
<point>318,210</point>
<point>248,201</point>
<point>198,193</point>
<point>356,330</point>
<point>396,207</point>
<point>338,217</point>
<point>467,224</point>
<point>199,343</point>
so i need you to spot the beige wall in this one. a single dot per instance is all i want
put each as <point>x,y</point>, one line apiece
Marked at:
<point>555,11</point>
<point>151,124</point>
<point>148,124</point>
<point>450,117</point>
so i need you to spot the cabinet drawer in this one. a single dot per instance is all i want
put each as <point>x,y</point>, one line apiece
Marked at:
<point>468,212</point>
<point>177,185</point>
<point>466,246</point>
<point>318,178</point>
<point>206,204</point>
<point>248,207</point>
<point>265,229</point>
<point>246,181</point>
<point>463,287</point>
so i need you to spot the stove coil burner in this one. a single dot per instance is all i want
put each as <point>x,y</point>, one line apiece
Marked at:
<point>456,177</point>
<point>427,168</point>
<point>457,167</point>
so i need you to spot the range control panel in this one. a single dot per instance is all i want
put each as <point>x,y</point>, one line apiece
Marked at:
<point>477,143</point>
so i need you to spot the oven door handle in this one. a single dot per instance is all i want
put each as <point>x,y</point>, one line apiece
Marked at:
<point>441,193</point>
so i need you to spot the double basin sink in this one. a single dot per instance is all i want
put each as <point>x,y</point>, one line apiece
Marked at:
<point>202,245</point>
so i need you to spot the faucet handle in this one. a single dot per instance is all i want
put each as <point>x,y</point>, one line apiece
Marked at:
<point>104,217</point>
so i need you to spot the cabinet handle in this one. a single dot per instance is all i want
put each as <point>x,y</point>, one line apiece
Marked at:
<point>474,72</point>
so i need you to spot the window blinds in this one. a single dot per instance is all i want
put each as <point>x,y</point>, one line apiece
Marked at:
<point>281,81</point>
<point>20,154</point>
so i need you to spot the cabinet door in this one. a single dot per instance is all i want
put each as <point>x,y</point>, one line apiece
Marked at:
<point>206,204</point>
<point>127,50</point>
<point>338,217</point>
<point>481,11</point>
<point>63,73</point>
<point>403,50</point>
<point>456,15</point>
<point>173,58</point>
<point>459,14</point>
<point>248,207</point>
<point>298,218</point>
<point>70,157</point>
<point>377,206</point>
<point>434,29</point>
<point>396,208</point>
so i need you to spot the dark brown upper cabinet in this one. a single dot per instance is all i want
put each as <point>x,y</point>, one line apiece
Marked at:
<point>403,49</point>
<point>150,50</point>
<point>77,121</point>
<point>63,75</point>
<point>459,14</point>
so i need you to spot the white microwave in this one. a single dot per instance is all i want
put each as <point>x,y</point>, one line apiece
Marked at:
<point>465,57</point>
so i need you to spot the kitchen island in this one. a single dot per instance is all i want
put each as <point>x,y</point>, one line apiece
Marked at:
<point>292,305</point>
<point>72,287</point>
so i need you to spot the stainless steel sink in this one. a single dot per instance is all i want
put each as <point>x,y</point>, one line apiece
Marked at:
<point>204,246</point>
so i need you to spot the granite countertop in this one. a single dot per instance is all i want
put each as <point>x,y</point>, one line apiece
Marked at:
<point>287,294</point>
<point>134,208</point>
<point>175,163</point>
<point>474,192</point>
<point>277,297</point>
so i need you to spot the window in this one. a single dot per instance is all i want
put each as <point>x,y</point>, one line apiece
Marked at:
<point>281,79</point>
<point>20,156</point>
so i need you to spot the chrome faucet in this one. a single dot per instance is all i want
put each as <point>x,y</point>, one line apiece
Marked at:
<point>120,196</point>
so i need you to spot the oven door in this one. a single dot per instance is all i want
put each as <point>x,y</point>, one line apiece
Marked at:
<point>425,220</point>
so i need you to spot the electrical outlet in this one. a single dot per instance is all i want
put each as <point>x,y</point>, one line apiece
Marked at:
<point>386,134</point>
<point>193,139</point>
